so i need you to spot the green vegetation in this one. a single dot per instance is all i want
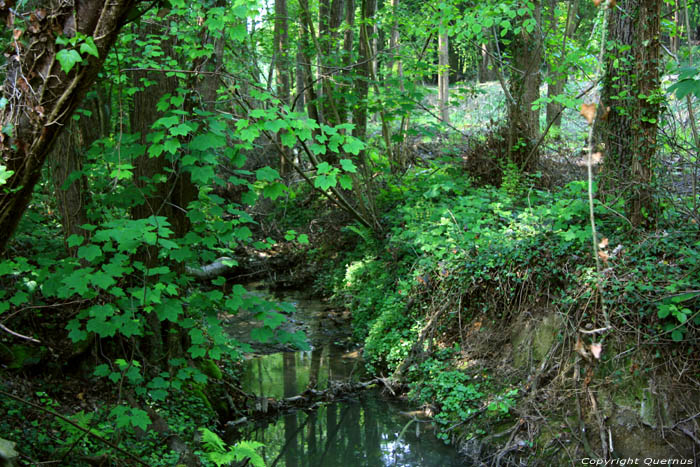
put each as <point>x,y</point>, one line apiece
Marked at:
<point>509,264</point>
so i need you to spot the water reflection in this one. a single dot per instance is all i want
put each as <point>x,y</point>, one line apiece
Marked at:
<point>287,374</point>
<point>363,432</point>
<point>366,431</point>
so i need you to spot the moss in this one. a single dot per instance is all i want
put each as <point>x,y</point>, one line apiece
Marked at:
<point>209,368</point>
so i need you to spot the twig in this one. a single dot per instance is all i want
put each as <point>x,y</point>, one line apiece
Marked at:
<point>16,334</point>
<point>595,331</point>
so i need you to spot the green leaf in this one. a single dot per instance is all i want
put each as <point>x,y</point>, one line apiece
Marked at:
<point>182,129</point>
<point>212,441</point>
<point>348,165</point>
<point>169,310</point>
<point>324,182</point>
<point>75,240</point>
<point>166,122</point>
<point>139,418</point>
<point>275,125</point>
<point>68,58</point>
<point>353,145</point>
<point>345,181</point>
<point>288,139</point>
<point>89,252</point>
<point>207,141</point>
<point>664,310</point>
<point>324,168</point>
<point>171,145</point>
<point>267,174</point>
<point>262,335</point>
<point>677,335</point>
<point>274,190</point>
<point>89,47</point>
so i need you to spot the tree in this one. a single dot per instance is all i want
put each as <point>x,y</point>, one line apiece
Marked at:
<point>47,75</point>
<point>630,103</point>
<point>558,73</point>
<point>443,74</point>
<point>67,159</point>
<point>523,121</point>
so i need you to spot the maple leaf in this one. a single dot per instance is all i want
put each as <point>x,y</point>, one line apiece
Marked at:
<point>596,349</point>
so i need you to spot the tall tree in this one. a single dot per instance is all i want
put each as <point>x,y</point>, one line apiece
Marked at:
<point>631,92</point>
<point>365,68</point>
<point>523,121</point>
<point>66,162</point>
<point>443,73</point>
<point>282,63</point>
<point>42,90</point>
<point>558,72</point>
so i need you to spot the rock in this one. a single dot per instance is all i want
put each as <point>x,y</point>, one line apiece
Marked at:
<point>8,455</point>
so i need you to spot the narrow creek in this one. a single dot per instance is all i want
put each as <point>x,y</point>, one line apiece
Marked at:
<point>363,429</point>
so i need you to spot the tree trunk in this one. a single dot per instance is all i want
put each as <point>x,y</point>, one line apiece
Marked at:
<point>364,69</point>
<point>41,98</point>
<point>631,91</point>
<point>395,65</point>
<point>443,75</point>
<point>306,49</point>
<point>348,39</point>
<point>282,64</point>
<point>557,77</point>
<point>524,124</point>
<point>485,58</point>
<point>67,157</point>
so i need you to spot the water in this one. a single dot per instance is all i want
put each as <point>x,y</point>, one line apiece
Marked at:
<point>366,429</point>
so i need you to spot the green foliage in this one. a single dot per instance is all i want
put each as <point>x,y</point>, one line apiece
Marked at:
<point>70,56</point>
<point>220,454</point>
<point>4,174</point>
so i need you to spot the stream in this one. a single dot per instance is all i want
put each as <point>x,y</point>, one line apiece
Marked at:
<point>363,429</point>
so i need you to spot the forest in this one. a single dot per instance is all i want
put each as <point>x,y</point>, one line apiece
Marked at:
<point>349,233</point>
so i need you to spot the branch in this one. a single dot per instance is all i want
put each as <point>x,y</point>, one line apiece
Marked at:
<point>9,331</point>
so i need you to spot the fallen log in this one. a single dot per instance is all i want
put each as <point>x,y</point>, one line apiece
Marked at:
<point>310,399</point>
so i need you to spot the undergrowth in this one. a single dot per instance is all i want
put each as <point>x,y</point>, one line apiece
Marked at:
<point>456,255</point>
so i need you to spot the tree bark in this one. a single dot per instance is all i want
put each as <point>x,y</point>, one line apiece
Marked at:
<point>41,97</point>
<point>524,123</point>
<point>631,87</point>
<point>485,58</point>
<point>557,76</point>
<point>282,64</point>
<point>67,158</point>
<point>443,75</point>
<point>306,48</point>
<point>364,69</point>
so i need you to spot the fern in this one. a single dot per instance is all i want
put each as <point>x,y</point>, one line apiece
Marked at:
<point>218,453</point>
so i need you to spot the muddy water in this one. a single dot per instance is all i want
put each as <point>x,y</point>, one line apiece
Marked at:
<point>366,429</point>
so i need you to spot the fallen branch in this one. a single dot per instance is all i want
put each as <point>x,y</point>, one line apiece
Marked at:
<point>16,334</point>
